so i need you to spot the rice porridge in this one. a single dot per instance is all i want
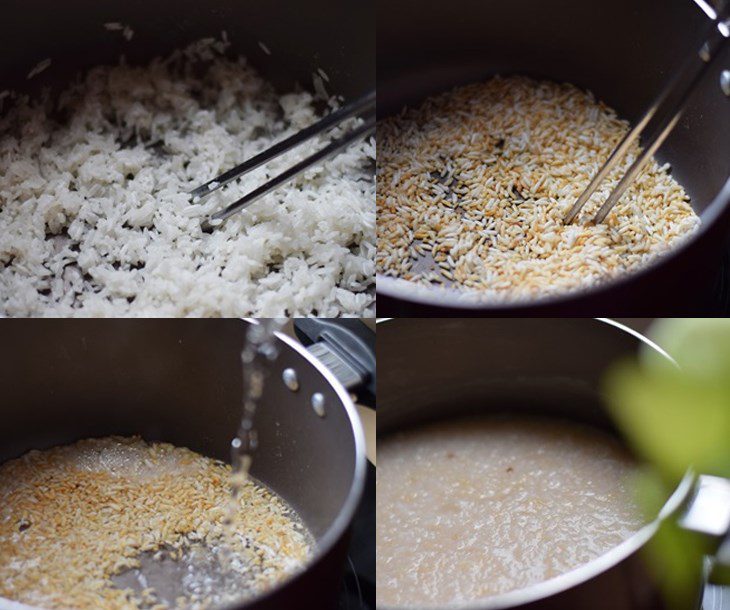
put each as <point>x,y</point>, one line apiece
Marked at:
<point>471,508</point>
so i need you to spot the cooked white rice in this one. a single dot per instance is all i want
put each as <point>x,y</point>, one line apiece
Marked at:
<point>473,186</point>
<point>41,66</point>
<point>115,26</point>
<point>319,89</point>
<point>95,219</point>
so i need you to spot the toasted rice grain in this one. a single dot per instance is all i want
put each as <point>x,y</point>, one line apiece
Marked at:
<point>72,517</point>
<point>482,177</point>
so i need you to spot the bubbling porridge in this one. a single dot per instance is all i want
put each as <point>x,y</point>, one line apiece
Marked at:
<point>472,508</point>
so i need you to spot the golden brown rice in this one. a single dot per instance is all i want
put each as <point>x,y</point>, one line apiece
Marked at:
<point>472,187</point>
<point>73,517</point>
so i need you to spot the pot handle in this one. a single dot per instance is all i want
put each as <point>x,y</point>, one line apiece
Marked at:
<point>716,598</point>
<point>707,512</point>
<point>708,509</point>
<point>346,347</point>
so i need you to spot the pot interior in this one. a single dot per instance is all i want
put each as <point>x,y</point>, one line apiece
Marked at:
<point>177,381</point>
<point>450,367</point>
<point>543,367</point>
<point>339,40</point>
<point>617,49</point>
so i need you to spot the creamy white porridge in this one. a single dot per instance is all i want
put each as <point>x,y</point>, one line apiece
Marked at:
<point>472,508</point>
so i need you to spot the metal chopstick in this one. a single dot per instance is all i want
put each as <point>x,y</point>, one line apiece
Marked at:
<point>328,151</point>
<point>359,106</point>
<point>708,52</point>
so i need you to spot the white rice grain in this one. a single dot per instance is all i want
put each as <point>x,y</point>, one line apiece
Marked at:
<point>319,88</point>
<point>115,26</point>
<point>39,67</point>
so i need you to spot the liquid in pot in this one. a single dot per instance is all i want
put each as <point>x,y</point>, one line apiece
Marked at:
<point>473,508</point>
<point>118,523</point>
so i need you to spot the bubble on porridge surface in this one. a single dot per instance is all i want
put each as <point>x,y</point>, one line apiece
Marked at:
<point>519,501</point>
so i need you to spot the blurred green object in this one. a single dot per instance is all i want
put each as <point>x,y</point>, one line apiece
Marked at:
<point>676,416</point>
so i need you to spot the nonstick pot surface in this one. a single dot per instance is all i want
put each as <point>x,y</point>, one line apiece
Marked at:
<point>620,51</point>
<point>180,381</point>
<point>327,34</point>
<point>547,365</point>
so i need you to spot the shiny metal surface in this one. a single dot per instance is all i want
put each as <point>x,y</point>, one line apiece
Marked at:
<point>725,82</point>
<point>318,403</point>
<point>345,374</point>
<point>365,103</point>
<point>708,8</point>
<point>710,54</point>
<point>289,377</point>
<point>716,598</point>
<point>692,72</point>
<point>708,511</point>
<point>526,365</point>
<point>332,149</point>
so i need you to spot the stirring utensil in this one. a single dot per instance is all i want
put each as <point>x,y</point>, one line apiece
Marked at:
<point>364,106</point>
<point>675,95</point>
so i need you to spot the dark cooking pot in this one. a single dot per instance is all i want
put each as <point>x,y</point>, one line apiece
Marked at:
<point>329,34</point>
<point>333,35</point>
<point>551,367</point>
<point>180,381</point>
<point>622,50</point>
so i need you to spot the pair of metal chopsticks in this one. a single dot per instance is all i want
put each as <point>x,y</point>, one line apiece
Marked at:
<point>364,106</point>
<point>676,92</point>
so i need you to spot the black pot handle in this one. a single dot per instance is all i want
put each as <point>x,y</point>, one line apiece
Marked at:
<point>347,347</point>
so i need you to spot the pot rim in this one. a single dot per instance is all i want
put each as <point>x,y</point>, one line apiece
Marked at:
<point>594,568</point>
<point>341,523</point>
<point>343,520</point>
<point>405,290</point>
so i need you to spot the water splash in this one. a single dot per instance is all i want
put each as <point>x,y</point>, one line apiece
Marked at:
<point>259,352</point>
